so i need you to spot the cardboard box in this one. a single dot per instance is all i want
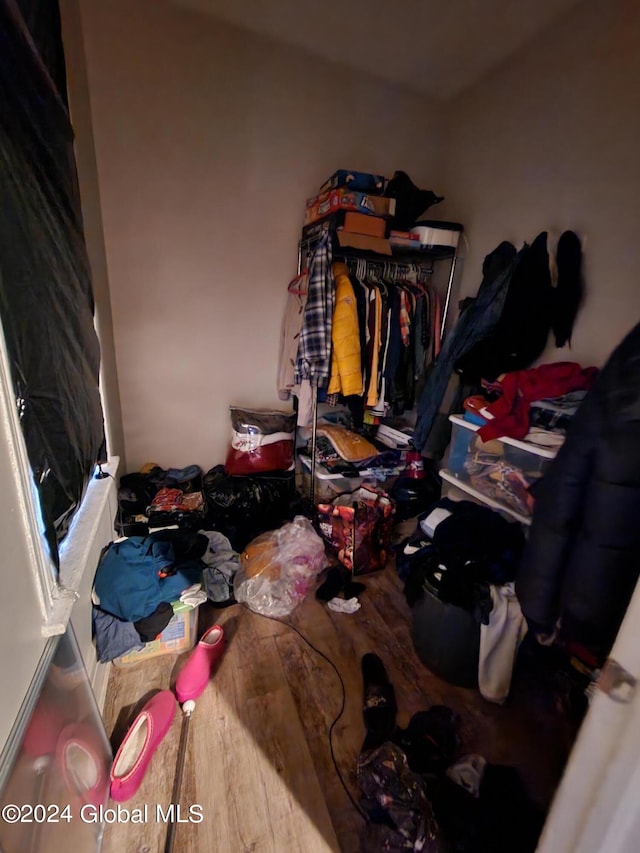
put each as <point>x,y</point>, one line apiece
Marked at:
<point>343,199</point>
<point>179,636</point>
<point>363,182</point>
<point>364,241</point>
<point>361,223</point>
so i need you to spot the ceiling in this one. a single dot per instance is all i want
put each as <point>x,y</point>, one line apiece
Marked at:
<point>438,47</point>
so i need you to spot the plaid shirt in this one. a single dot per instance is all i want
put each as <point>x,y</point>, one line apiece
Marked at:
<point>314,348</point>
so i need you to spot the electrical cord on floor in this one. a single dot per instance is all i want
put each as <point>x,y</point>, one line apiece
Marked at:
<point>340,713</point>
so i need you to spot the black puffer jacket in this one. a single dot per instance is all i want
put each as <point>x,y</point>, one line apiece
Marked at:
<point>583,556</point>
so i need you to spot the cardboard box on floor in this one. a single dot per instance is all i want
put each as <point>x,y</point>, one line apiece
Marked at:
<point>179,636</point>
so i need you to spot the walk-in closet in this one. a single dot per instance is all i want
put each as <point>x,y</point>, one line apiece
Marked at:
<point>319,397</point>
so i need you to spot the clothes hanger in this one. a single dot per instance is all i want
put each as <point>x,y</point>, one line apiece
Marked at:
<point>299,284</point>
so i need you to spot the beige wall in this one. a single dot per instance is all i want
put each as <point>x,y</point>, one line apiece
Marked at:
<point>208,140</point>
<point>550,141</point>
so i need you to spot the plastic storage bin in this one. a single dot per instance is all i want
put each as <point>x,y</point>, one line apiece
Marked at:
<point>499,472</point>
<point>329,485</point>
<point>179,636</point>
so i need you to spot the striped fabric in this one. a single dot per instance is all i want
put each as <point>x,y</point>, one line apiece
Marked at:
<point>314,348</point>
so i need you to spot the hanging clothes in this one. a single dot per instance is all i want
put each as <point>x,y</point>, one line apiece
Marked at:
<point>346,370</point>
<point>314,349</point>
<point>376,341</point>
<point>474,325</point>
<point>582,559</point>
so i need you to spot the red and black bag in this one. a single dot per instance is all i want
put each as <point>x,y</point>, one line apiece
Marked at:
<point>357,525</point>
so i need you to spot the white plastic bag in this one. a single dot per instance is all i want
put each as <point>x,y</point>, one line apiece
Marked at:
<point>278,568</point>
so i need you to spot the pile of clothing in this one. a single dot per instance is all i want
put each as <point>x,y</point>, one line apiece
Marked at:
<point>549,387</point>
<point>459,568</point>
<point>142,581</point>
<point>156,497</point>
<point>420,793</point>
<point>504,328</point>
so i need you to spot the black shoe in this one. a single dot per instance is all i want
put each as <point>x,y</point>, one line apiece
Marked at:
<point>379,706</point>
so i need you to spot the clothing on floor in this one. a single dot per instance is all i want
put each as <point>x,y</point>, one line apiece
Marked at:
<point>221,563</point>
<point>431,740</point>
<point>379,706</point>
<point>510,413</point>
<point>453,583</point>
<point>500,640</point>
<point>467,772</point>
<point>395,798</point>
<point>113,637</point>
<point>502,819</point>
<point>582,559</point>
<point>128,582</point>
<point>344,605</point>
<point>339,583</point>
<point>194,596</point>
<point>481,535</point>
<point>154,624</point>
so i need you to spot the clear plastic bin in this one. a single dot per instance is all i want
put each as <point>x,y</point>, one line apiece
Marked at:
<point>179,636</point>
<point>501,470</point>
<point>329,485</point>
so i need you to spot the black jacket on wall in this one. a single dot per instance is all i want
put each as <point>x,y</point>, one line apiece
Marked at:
<point>582,559</point>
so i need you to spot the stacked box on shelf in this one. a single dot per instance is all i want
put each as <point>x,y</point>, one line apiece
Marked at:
<point>331,202</point>
<point>500,471</point>
<point>361,181</point>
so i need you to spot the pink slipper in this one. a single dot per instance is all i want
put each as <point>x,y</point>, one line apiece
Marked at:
<point>193,677</point>
<point>139,744</point>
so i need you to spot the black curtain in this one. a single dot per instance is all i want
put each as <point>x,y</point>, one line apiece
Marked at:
<point>46,301</point>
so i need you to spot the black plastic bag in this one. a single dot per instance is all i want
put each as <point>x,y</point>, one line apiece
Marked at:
<point>244,507</point>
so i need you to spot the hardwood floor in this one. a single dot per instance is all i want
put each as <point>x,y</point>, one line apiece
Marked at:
<point>258,758</point>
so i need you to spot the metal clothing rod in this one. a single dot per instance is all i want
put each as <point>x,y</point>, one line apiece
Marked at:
<point>314,439</point>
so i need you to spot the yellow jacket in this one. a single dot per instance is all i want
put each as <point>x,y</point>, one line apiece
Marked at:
<point>346,370</point>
